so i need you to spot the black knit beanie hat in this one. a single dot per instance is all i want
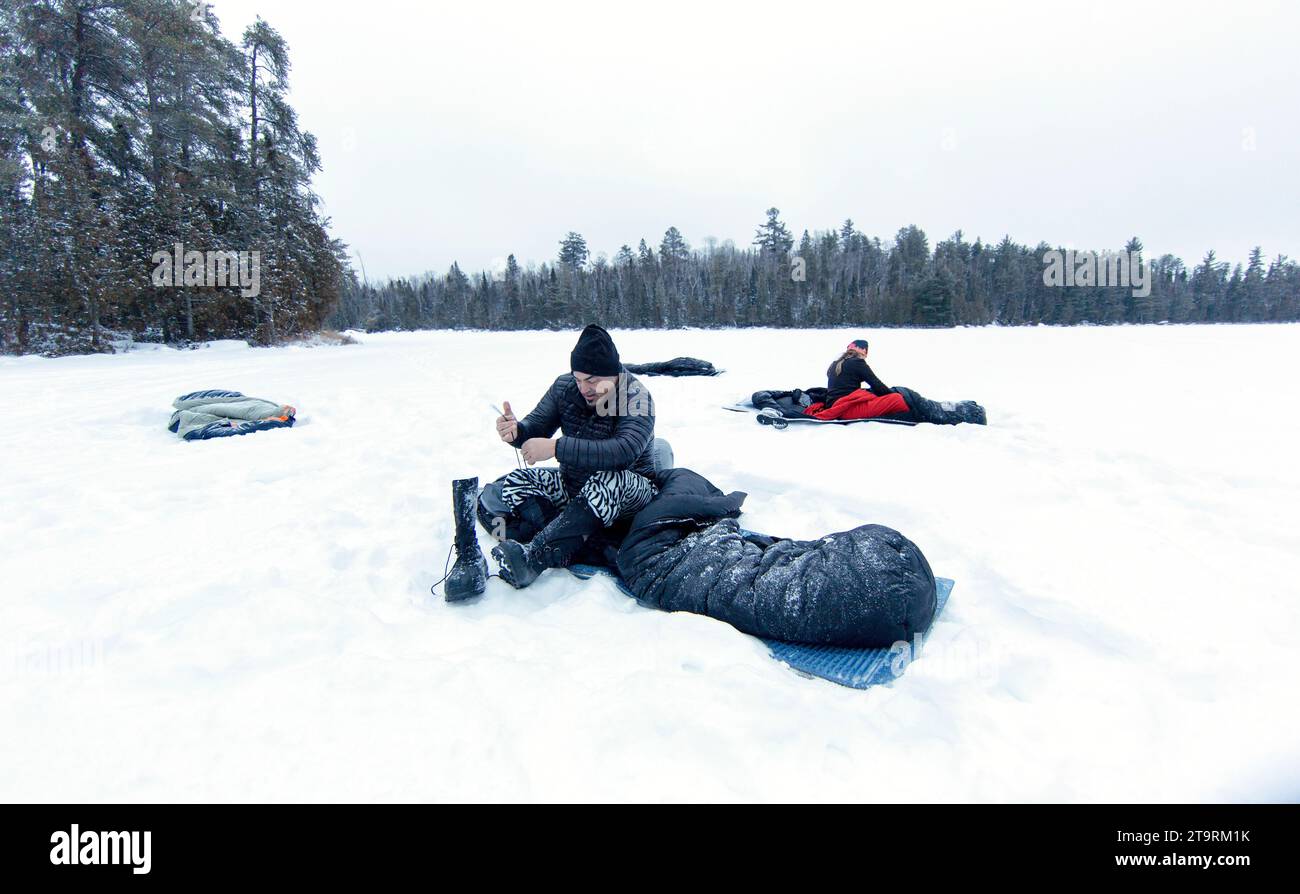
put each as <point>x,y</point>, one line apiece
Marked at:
<point>595,354</point>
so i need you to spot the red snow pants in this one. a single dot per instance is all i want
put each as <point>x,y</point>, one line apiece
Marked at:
<point>860,404</point>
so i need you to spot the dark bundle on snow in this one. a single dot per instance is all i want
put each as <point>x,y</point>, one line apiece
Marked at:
<point>870,586</point>
<point>678,366</point>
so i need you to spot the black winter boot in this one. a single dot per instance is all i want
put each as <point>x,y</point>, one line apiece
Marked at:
<point>971,412</point>
<point>942,412</point>
<point>469,575</point>
<point>554,547</point>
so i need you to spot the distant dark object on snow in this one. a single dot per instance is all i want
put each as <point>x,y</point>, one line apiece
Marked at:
<point>678,366</point>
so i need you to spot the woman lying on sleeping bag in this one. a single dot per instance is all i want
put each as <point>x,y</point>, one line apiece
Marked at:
<point>846,400</point>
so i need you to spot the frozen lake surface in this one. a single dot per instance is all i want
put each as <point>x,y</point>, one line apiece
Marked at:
<point>250,618</point>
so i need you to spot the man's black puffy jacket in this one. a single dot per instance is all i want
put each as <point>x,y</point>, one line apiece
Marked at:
<point>617,436</point>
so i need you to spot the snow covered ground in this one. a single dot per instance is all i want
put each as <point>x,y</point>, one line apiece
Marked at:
<point>250,618</point>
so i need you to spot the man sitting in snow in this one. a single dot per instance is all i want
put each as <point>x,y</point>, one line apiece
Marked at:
<point>606,417</point>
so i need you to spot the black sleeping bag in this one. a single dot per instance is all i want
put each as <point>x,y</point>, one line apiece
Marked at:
<point>678,366</point>
<point>870,586</point>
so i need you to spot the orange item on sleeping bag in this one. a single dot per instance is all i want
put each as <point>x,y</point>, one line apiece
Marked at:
<point>860,404</point>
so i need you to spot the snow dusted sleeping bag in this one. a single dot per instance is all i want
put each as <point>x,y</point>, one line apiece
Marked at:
<point>870,586</point>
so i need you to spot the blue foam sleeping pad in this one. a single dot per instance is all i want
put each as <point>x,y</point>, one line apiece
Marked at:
<point>857,668</point>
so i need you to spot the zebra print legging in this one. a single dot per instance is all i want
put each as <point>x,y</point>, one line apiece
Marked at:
<point>611,495</point>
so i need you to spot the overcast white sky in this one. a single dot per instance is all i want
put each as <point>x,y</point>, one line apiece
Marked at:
<point>468,131</point>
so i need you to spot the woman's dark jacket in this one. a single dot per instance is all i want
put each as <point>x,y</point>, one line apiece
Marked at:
<point>852,374</point>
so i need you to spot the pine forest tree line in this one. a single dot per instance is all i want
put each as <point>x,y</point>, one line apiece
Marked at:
<point>133,127</point>
<point>128,127</point>
<point>837,277</point>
